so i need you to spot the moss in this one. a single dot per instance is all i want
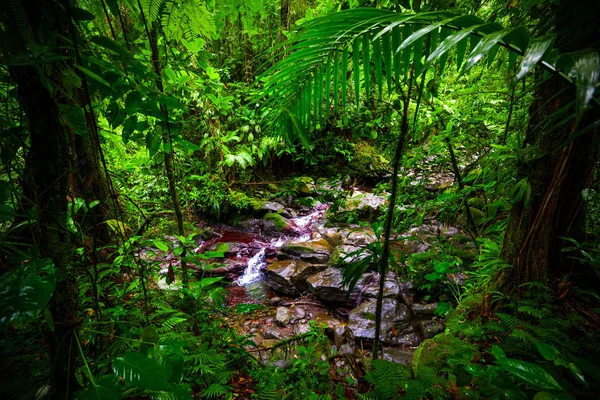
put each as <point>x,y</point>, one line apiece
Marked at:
<point>278,220</point>
<point>222,247</point>
<point>368,160</point>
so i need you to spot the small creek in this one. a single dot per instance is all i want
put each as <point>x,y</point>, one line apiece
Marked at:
<point>296,272</point>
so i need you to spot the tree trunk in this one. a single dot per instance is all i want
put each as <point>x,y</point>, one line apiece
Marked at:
<point>48,161</point>
<point>562,168</point>
<point>559,161</point>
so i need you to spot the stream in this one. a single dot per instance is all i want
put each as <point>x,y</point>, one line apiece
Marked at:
<point>294,268</point>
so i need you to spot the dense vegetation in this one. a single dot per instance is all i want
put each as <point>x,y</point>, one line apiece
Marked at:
<point>131,130</point>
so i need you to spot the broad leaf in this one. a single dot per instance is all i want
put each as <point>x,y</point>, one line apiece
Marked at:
<point>106,388</point>
<point>533,374</point>
<point>587,72</point>
<point>170,358</point>
<point>534,53</point>
<point>25,291</point>
<point>140,371</point>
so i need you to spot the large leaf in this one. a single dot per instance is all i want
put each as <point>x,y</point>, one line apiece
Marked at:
<point>534,53</point>
<point>587,72</point>
<point>484,47</point>
<point>25,291</point>
<point>170,358</point>
<point>106,388</point>
<point>140,371</point>
<point>533,374</point>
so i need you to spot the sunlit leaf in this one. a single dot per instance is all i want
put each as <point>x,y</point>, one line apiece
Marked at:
<point>25,291</point>
<point>140,371</point>
<point>586,71</point>
<point>534,53</point>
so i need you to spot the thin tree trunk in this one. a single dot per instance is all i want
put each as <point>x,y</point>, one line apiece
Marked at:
<point>387,229</point>
<point>168,151</point>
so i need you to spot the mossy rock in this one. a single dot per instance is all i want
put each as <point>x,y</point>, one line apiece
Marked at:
<point>368,161</point>
<point>279,222</point>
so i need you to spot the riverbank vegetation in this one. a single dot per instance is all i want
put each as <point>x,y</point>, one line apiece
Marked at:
<point>409,189</point>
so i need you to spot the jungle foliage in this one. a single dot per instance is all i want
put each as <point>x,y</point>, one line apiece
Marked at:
<point>128,127</point>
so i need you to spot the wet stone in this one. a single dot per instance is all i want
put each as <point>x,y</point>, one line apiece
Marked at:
<point>289,276</point>
<point>316,251</point>
<point>283,316</point>
<point>395,323</point>
<point>424,310</point>
<point>391,288</point>
<point>430,328</point>
<point>398,355</point>
<point>339,335</point>
<point>327,286</point>
<point>299,313</point>
<point>271,332</point>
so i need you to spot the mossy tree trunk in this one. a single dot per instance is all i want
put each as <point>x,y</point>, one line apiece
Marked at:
<point>558,160</point>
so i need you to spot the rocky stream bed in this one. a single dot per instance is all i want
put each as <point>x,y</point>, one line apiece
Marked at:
<point>290,260</point>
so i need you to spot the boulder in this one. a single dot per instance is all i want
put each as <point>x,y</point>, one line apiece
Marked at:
<point>315,251</point>
<point>327,286</point>
<point>398,355</point>
<point>424,310</point>
<point>289,276</point>
<point>275,208</point>
<point>396,327</point>
<point>346,254</point>
<point>328,321</point>
<point>283,316</point>
<point>391,287</point>
<point>364,203</point>
<point>278,222</point>
<point>430,328</point>
<point>358,236</point>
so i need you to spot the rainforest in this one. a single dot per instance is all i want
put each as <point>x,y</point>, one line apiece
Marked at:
<point>307,199</point>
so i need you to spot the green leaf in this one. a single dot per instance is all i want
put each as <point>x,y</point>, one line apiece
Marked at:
<point>587,73</point>
<point>132,102</point>
<point>534,53</point>
<point>484,47</point>
<point>356,69</point>
<point>170,358</point>
<point>497,352</point>
<point>548,351</point>
<point>531,373</point>
<point>79,14</point>
<point>140,371</point>
<point>299,131</point>
<point>110,44</point>
<point>94,76</point>
<point>25,291</point>
<point>106,388</point>
<point>160,245</point>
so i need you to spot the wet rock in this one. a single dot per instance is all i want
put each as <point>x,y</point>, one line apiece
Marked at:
<point>327,286</point>
<point>430,328</point>
<point>289,276</point>
<point>278,222</point>
<point>424,310</point>
<point>271,332</point>
<point>407,292</point>
<point>339,335</point>
<point>283,316</point>
<point>316,251</point>
<point>301,329</point>
<point>398,355</point>
<point>299,313</point>
<point>328,321</point>
<point>276,208</point>
<point>346,350</point>
<point>396,328</point>
<point>346,254</point>
<point>365,205</point>
<point>391,288</point>
<point>358,236</point>
<point>274,301</point>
